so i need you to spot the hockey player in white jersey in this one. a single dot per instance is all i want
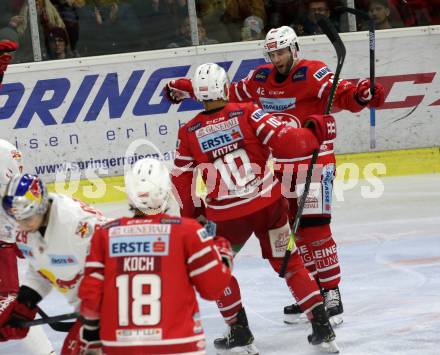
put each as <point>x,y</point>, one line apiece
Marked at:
<point>55,235</point>
<point>36,342</point>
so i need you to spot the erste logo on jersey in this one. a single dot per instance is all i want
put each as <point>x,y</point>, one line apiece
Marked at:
<point>272,104</point>
<point>219,135</point>
<point>140,240</point>
<point>321,73</point>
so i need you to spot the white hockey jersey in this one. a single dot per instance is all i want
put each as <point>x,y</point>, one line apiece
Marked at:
<point>8,228</point>
<point>56,259</point>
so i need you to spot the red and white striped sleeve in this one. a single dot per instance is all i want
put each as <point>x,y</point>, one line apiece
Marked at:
<point>205,268</point>
<point>243,90</point>
<point>92,285</point>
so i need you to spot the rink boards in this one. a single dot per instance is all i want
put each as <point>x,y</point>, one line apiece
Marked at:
<point>84,119</point>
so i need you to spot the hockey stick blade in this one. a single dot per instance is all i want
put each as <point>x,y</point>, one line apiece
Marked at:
<point>329,30</point>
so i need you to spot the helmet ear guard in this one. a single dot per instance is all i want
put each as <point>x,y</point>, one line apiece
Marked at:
<point>211,82</point>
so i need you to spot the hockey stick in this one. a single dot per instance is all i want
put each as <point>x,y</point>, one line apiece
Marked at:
<point>372,46</point>
<point>54,322</point>
<point>329,30</point>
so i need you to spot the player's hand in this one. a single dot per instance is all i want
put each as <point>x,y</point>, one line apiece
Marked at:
<point>323,127</point>
<point>13,312</point>
<point>177,90</point>
<point>225,250</point>
<point>89,342</point>
<point>364,97</point>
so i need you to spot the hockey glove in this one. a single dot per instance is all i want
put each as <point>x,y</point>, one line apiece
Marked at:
<point>225,250</point>
<point>14,313</point>
<point>177,90</point>
<point>89,340</point>
<point>363,94</point>
<point>323,127</point>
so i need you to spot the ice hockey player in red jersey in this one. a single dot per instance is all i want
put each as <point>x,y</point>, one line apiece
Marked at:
<point>229,144</point>
<point>137,295</point>
<point>294,88</point>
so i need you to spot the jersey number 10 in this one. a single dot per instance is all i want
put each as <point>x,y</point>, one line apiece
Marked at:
<point>138,300</point>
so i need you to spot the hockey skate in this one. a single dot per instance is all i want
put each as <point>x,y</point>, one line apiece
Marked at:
<point>238,340</point>
<point>322,331</point>
<point>294,315</point>
<point>334,307</point>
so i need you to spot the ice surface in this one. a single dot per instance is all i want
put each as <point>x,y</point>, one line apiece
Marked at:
<point>389,250</point>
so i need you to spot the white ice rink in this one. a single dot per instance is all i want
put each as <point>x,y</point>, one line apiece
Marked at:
<point>389,250</point>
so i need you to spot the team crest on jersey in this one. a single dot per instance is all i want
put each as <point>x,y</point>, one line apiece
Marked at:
<point>84,230</point>
<point>300,74</point>
<point>321,73</point>
<point>262,74</point>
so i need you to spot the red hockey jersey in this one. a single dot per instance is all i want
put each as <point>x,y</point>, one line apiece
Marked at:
<point>230,147</point>
<point>139,280</point>
<point>303,93</point>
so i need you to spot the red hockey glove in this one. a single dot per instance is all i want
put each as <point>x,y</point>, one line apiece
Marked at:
<point>323,127</point>
<point>225,250</point>
<point>177,90</point>
<point>13,312</point>
<point>6,47</point>
<point>89,341</point>
<point>363,94</point>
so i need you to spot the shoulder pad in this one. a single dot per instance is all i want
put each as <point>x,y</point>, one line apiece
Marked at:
<point>108,225</point>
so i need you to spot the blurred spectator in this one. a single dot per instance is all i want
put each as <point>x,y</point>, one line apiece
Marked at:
<point>68,10</point>
<point>57,42</point>
<point>48,17</point>
<point>316,9</point>
<point>253,29</point>
<point>379,11</point>
<point>211,13</point>
<point>159,21</point>
<point>184,38</point>
<point>108,27</point>
<point>284,12</point>
<point>237,11</point>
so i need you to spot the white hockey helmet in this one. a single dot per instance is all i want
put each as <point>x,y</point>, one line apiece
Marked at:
<point>148,186</point>
<point>25,196</point>
<point>10,164</point>
<point>211,82</point>
<point>281,37</point>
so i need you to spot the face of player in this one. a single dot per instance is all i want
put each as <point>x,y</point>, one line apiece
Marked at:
<point>282,59</point>
<point>31,224</point>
